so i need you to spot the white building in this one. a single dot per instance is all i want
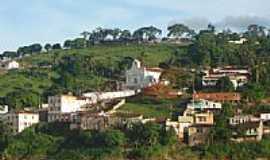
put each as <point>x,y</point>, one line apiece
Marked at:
<point>140,77</point>
<point>240,41</point>
<point>265,116</point>
<point>95,97</point>
<point>18,121</point>
<point>63,104</point>
<point>241,119</point>
<point>204,104</point>
<point>238,76</point>
<point>180,126</point>
<point>8,65</point>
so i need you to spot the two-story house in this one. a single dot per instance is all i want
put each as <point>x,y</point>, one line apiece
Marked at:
<point>246,128</point>
<point>61,106</point>
<point>20,120</point>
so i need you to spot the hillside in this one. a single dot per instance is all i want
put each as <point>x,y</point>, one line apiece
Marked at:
<point>41,70</point>
<point>151,55</point>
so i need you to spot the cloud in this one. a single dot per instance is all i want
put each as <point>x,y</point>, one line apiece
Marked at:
<point>241,22</point>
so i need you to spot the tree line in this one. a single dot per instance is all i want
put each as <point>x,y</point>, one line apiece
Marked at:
<point>144,34</point>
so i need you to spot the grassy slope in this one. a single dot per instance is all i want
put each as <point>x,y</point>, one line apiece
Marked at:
<point>106,55</point>
<point>150,108</point>
<point>152,54</point>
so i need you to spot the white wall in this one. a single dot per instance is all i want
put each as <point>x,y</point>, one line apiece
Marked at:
<point>139,77</point>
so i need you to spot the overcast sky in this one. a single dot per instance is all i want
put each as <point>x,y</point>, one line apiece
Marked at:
<point>23,22</point>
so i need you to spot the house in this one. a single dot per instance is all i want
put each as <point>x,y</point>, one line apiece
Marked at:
<point>218,96</point>
<point>20,120</point>
<point>204,118</point>
<point>94,121</point>
<point>198,134</point>
<point>204,105</point>
<point>8,65</point>
<point>89,121</point>
<point>241,119</point>
<point>238,76</point>
<point>60,106</point>
<point>138,76</point>
<point>240,41</point>
<point>246,128</point>
<point>180,126</point>
<point>265,117</point>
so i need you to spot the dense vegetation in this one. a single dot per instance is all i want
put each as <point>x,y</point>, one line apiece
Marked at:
<point>55,141</point>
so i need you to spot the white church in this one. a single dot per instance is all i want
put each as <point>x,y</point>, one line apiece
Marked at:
<point>138,76</point>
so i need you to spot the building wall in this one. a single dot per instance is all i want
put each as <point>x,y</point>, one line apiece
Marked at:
<point>12,65</point>
<point>265,116</point>
<point>204,104</point>
<point>95,97</point>
<point>65,104</point>
<point>139,77</point>
<point>204,118</point>
<point>20,121</point>
<point>58,106</point>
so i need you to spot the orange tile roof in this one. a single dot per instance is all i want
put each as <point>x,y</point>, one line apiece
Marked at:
<point>154,69</point>
<point>218,96</point>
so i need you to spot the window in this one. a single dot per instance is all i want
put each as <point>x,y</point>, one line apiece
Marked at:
<point>199,130</point>
<point>135,80</point>
<point>202,119</point>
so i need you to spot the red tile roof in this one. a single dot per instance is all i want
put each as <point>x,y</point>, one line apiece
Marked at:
<point>154,69</point>
<point>220,96</point>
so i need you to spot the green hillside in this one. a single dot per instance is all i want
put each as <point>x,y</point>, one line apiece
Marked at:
<point>42,71</point>
<point>151,55</point>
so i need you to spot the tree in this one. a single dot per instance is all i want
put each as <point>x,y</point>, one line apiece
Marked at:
<point>254,92</point>
<point>116,33</point>
<point>57,46</point>
<point>125,35</point>
<point>21,98</point>
<point>178,30</point>
<point>205,51</point>
<point>9,54</point>
<point>98,35</point>
<point>35,48</point>
<point>24,50</point>
<point>5,133</point>
<point>85,34</point>
<point>48,47</point>
<point>224,84</point>
<point>78,43</point>
<point>147,33</point>
<point>211,28</point>
<point>255,31</point>
<point>68,44</point>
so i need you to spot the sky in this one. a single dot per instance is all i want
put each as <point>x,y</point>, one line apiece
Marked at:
<point>50,21</point>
